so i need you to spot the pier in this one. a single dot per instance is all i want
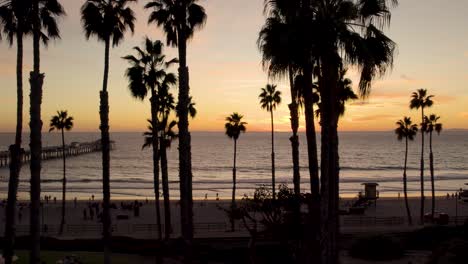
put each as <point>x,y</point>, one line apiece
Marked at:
<point>55,152</point>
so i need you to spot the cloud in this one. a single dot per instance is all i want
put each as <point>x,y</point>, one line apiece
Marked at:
<point>463,114</point>
<point>378,117</point>
<point>465,54</point>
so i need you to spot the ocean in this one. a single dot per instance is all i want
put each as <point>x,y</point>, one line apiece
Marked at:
<point>364,157</point>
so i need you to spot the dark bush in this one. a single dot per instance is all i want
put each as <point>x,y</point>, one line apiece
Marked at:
<point>377,248</point>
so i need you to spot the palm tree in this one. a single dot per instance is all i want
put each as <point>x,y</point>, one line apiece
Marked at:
<point>285,44</point>
<point>234,126</point>
<point>345,94</point>
<point>420,99</point>
<point>351,34</point>
<point>62,122</point>
<point>166,138</point>
<point>270,98</point>
<point>147,74</point>
<point>164,134</point>
<point>432,125</point>
<point>179,20</point>
<point>14,16</point>
<point>44,14</point>
<point>407,130</point>
<point>108,21</point>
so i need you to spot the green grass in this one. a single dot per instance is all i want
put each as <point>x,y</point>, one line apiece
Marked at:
<point>51,257</point>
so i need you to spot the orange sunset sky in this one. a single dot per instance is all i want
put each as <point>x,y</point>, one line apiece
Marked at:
<point>226,73</point>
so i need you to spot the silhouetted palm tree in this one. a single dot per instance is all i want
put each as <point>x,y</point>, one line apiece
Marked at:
<point>234,127</point>
<point>345,94</point>
<point>15,23</point>
<point>420,99</point>
<point>270,98</point>
<point>62,122</point>
<point>147,74</point>
<point>406,130</point>
<point>43,18</point>
<point>278,43</point>
<point>165,135</point>
<point>179,19</point>
<point>351,34</point>
<point>166,138</point>
<point>108,21</point>
<point>432,125</point>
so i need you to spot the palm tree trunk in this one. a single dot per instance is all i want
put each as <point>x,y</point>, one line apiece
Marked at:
<point>64,184</point>
<point>431,164</point>
<point>294,138</point>
<point>405,185</point>
<point>310,131</point>
<point>273,183</point>
<point>234,181</point>
<point>154,121</point>
<point>185,159</point>
<point>165,187</point>
<point>105,142</point>
<point>15,157</point>
<point>330,162</point>
<point>36,81</point>
<point>421,216</point>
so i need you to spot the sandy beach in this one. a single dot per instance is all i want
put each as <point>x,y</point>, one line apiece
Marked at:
<point>387,215</point>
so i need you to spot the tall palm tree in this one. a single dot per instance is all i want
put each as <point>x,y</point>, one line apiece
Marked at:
<point>234,127</point>
<point>179,20</point>
<point>14,23</point>
<point>147,74</point>
<point>61,122</point>
<point>420,99</point>
<point>345,94</point>
<point>164,134</point>
<point>406,130</point>
<point>108,21</point>
<point>44,14</point>
<point>351,34</point>
<point>432,125</point>
<point>167,136</point>
<point>270,98</point>
<point>286,45</point>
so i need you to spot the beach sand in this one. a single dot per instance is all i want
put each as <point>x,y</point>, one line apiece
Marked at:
<point>387,215</point>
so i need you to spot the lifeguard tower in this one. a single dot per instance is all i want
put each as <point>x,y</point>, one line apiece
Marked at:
<point>370,192</point>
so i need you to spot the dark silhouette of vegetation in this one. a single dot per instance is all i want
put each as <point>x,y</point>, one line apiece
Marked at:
<point>406,130</point>
<point>148,75</point>
<point>62,122</point>
<point>345,94</point>
<point>286,45</point>
<point>234,127</point>
<point>371,51</point>
<point>270,98</point>
<point>431,123</point>
<point>15,23</point>
<point>179,20</point>
<point>44,14</point>
<point>420,99</point>
<point>108,21</point>
<point>272,219</point>
<point>165,135</point>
